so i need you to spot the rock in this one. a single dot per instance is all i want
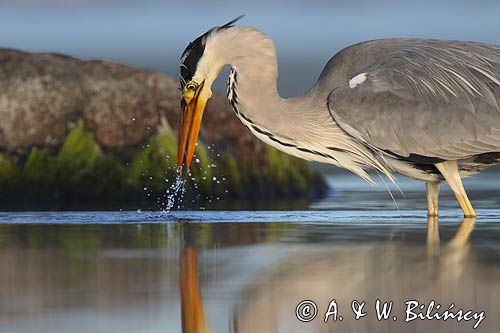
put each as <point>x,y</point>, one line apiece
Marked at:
<point>39,95</point>
<point>42,95</point>
<point>74,129</point>
<point>124,105</point>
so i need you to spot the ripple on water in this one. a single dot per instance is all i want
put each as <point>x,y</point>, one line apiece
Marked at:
<point>402,219</point>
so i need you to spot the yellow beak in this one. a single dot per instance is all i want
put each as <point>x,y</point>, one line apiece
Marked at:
<point>192,107</point>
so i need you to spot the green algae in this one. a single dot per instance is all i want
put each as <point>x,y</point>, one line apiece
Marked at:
<point>293,176</point>
<point>9,176</point>
<point>113,171</point>
<point>40,168</point>
<point>8,169</point>
<point>154,164</point>
<point>233,175</point>
<point>200,169</point>
<point>80,169</point>
<point>75,161</point>
<point>79,151</point>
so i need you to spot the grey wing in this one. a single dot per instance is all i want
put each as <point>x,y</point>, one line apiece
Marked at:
<point>433,99</point>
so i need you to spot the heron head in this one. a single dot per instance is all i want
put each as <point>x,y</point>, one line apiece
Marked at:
<point>199,69</point>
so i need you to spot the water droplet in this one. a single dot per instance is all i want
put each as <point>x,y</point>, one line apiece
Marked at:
<point>176,188</point>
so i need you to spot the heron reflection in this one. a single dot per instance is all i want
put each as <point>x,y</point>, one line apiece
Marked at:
<point>363,271</point>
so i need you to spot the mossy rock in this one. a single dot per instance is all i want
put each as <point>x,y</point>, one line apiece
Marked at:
<point>77,156</point>
<point>151,168</point>
<point>290,174</point>
<point>233,174</point>
<point>111,169</point>
<point>10,176</point>
<point>40,168</point>
<point>82,170</point>
<point>201,171</point>
<point>8,169</point>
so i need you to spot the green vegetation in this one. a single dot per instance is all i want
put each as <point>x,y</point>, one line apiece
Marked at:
<point>82,172</point>
<point>156,162</point>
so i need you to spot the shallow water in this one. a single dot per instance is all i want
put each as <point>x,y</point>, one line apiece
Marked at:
<point>246,271</point>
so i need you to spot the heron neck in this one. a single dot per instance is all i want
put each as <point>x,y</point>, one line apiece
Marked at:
<point>253,93</point>
<point>301,126</point>
<point>253,82</point>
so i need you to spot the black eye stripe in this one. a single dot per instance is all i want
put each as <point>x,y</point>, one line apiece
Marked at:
<point>192,55</point>
<point>194,51</point>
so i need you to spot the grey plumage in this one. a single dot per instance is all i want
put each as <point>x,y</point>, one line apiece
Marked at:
<point>425,97</point>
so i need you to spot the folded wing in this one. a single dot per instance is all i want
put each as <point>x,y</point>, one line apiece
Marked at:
<point>436,99</point>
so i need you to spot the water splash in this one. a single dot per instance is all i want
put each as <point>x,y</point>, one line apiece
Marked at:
<point>175,195</point>
<point>175,191</point>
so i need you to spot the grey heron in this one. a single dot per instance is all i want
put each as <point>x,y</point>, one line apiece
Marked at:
<point>424,108</point>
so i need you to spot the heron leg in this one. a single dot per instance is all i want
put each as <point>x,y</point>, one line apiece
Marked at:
<point>449,170</point>
<point>432,198</point>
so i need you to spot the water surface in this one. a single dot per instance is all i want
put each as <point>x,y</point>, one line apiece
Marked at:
<point>246,271</point>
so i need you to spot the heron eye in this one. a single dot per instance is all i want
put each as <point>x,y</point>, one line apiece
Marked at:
<point>191,86</point>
